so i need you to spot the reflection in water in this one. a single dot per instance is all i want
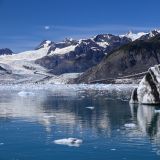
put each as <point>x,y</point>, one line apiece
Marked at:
<point>148,122</point>
<point>57,110</point>
<point>66,115</point>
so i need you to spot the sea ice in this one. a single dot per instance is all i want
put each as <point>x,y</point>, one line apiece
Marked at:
<point>113,149</point>
<point>25,94</point>
<point>91,108</point>
<point>49,116</point>
<point>69,142</point>
<point>157,111</point>
<point>130,125</point>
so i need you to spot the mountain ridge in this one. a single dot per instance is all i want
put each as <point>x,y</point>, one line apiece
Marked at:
<point>132,58</point>
<point>51,59</point>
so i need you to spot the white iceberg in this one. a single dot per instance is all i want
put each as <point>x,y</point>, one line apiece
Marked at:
<point>69,142</point>
<point>25,94</point>
<point>113,149</point>
<point>130,125</point>
<point>91,108</point>
<point>148,91</point>
<point>157,111</point>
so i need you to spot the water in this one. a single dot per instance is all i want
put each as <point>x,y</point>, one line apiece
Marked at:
<point>109,127</point>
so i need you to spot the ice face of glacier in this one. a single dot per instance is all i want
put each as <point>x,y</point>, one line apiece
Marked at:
<point>148,91</point>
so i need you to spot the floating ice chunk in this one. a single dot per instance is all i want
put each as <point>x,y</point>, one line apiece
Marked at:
<point>49,116</point>
<point>69,142</point>
<point>130,125</point>
<point>91,108</point>
<point>157,111</point>
<point>25,94</point>
<point>118,130</point>
<point>1,144</point>
<point>113,149</point>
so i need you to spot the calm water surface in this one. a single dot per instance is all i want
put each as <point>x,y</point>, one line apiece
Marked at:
<point>30,124</point>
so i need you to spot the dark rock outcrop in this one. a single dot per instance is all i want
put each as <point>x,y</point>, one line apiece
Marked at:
<point>5,51</point>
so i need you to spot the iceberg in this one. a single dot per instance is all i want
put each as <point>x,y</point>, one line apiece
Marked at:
<point>91,108</point>
<point>148,91</point>
<point>157,111</point>
<point>69,142</point>
<point>25,94</point>
<point>130,125</point>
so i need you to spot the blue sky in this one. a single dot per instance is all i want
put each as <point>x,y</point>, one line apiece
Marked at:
<point>25,23</point>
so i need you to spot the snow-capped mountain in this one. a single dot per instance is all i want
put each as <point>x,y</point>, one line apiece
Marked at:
<point>150,35</point>
<point>21,67</point>
<point>129,61</point>
<point>141,35</point>
<point>44,44</point>
<point>133,36</point>
<point>68,56</point>
<point>78,56</point>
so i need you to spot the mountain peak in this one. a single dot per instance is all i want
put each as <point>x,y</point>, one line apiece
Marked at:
<point>44,44</point>
<point>129,33</point>
<point>133,36</point>
<point>6,51</point>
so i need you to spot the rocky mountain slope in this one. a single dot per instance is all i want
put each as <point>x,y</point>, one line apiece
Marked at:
<point>56,62</point>
<point>133,58</point>
<point>5,51</point>
<point>78,56</point>
<point>50,59</point>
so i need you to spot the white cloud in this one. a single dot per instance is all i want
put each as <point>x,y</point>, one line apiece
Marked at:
<point>47,27</point>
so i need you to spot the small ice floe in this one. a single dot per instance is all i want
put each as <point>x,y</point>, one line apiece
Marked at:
<point>118,130</point>
<point>113,149</point>
<point>25,94</point>
<point>157,111</point>
<point>69,142</point>
<point>130,125</point>
<point>90,107</point>
<point>49,116</point>
<point>1,144</point>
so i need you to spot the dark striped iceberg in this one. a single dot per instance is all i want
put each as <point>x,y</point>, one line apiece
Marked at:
<point>148,91</point>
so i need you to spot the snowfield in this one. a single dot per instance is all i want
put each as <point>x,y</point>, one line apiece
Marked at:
<point>27,55</point>
<point>61,51</point>
<point>22,67</point>
<point>134,36</point>
<point>103,44</point>
<point>23,63</point>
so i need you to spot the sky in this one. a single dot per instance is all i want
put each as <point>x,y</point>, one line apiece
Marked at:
<point>25,23</point>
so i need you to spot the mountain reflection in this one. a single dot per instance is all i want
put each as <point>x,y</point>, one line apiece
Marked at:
<point>111,124</point>
<point>67,111</point>
<point>70,112</point>
<point>148,120</point>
